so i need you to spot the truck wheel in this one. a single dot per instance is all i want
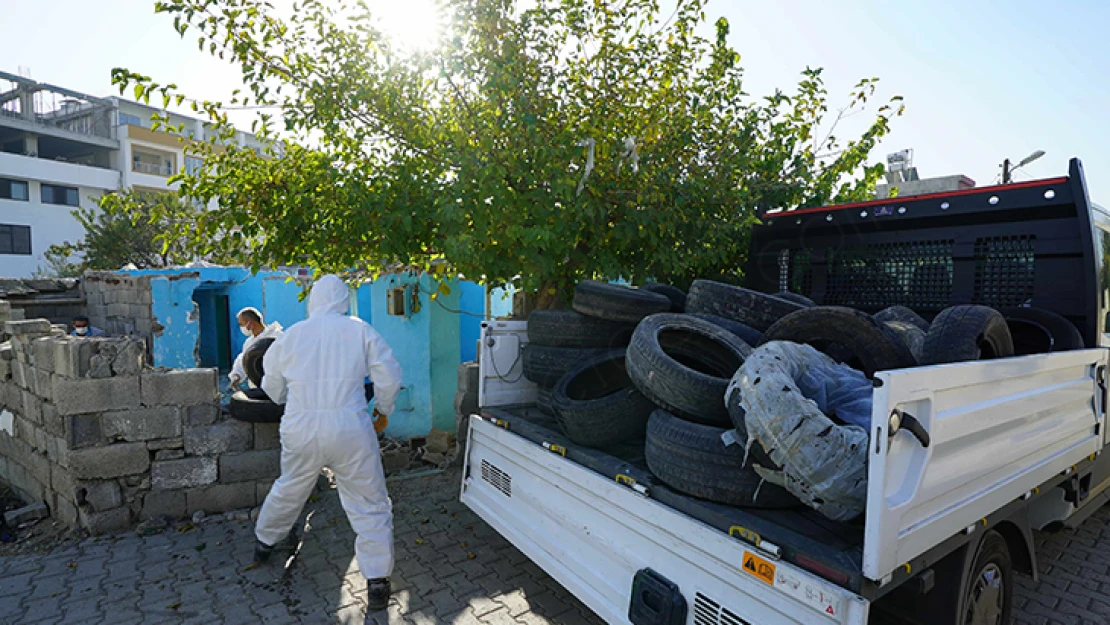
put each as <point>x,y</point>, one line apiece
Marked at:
<point>693,459</point>
<point>596,404</point>
<point>1039,331</point>
<point>566,328</point>
<point>963,333</point>
<point>253,406</point>
<point>675,294</point>
<point>252,360</point>
<point>617,303</point>
<point>748,334</point>
<point>873,346</point>
<point>545,365</point>
<point>684,365</point>
<point>989,596</point>
<point>903,314</point>
<point>797,298</point>
<point>751,308</point>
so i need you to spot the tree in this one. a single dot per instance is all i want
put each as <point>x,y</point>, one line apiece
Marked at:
<point>130,228</point>
<point>537,146</point>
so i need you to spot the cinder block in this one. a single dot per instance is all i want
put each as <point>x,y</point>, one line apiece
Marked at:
<point>129,358</point>
<point>22,374</point>
<point>180,387</point>
<point>71,356</point>
<point>203,414</point>
<point>88,395</point>
<point>44,383</point>
<point>99,495</point>
<point>184,473</point>
<point>83,431</point>
<point>57,451</point>
<point>42,354</point>
<point>32,408</point>
<point>5,369</point>
<point>62,482</point>
<point>169,454</point>
<point>221,497</point>
<point>166,443</point>
<point>109,522</point>
<point>6,351</point>
<point>32,512</point>
<point>27,327</point>
<point>64,511</point>
<point>267,436</point>
<point>38,466</point>
<point>52,422</point>
<point>250,465</point>
<point>118,309</point>
<point>109,461</point>
<point>219,438</point>
<point>163,502</point>
<point>141,424</point>
<point>262,490</point>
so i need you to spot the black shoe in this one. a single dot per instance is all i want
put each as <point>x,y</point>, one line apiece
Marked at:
<point>262,552</point>
<point>377,594</point>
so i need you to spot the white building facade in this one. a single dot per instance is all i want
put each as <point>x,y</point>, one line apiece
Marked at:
<point>61,149</point>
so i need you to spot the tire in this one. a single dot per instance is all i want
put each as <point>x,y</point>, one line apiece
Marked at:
<point>797,298</point>
<point>963,333</point>
<point>873,346</point>
<point>468,377</point>
<point>693,459</point>
<point>254,406</point>
<point>684,364</point>
<point>910,335</point>
<point>596,404</point>
<point>989,587</point>
<point>1040,331</point>
<point>902,314</point>
<point>675,294</point>
<point>252,360</point>
<point>751,308</point>
<point>566,328</point>
<point>617,303</point>
<point>748,334</point>
<point>545,365</point>
<point>544,402</point>
<point>466,403</point>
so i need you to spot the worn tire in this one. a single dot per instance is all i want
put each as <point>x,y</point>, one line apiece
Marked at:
<point>466,403</point>
<point>545,365</point>
<point>567,328</point>
<point>597,405</point>
<point>544,402</point>
<point>468,377</point>
<point>797,298</point>
<point>617,303</point>
<point>1040,331</point>
<point>254,406</point>
<point>903,315</point>
<point>751,308</point>
<point>684,365</point>
<point>910,335</point>
<point>874,347</point>
<point>691,458</point>
<point>673,293</point>
<point>968,332</point>
<point>252,360</point>
<point>748,334</point>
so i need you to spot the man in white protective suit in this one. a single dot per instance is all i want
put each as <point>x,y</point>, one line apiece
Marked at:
<point>317,368</point>
<point>255,329</point>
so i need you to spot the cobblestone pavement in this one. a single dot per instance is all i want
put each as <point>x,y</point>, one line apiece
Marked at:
<point>451,568</point>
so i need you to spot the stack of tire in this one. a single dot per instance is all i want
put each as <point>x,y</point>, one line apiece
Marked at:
<point>253,405</point>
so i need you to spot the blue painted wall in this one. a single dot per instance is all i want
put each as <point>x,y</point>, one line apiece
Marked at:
<point>472,300</point>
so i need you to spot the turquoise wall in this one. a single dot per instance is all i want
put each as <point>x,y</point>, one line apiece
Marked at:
<point>472,301</point>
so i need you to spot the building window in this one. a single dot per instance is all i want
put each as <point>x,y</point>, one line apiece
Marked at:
<point>13,190</point>
<point>155,163</point>
<point>193,165</point>
<point>127,119</point>
<point>15,239</point>
<point>54,194</point>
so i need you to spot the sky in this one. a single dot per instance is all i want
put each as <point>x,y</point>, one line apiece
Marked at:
<point>982,80</point>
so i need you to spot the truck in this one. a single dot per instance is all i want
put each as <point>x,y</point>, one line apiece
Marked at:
<point>1005,446</point>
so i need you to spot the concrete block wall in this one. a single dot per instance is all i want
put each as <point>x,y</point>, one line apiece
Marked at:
<point>107,441</point>
<point>120,305</point>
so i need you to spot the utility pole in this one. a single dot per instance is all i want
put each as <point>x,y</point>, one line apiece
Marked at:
<point>1006,171</point>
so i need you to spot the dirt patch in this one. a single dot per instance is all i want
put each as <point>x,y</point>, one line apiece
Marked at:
<point>35,537</point>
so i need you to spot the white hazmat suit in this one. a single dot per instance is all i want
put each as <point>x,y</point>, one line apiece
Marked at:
<point>318,368</point>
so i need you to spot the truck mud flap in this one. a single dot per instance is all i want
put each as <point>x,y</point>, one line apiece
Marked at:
<point>655,600</point>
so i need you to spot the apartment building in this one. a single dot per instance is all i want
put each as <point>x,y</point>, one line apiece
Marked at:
<point>61,149</point>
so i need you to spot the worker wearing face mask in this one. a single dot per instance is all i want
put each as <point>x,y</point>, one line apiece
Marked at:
<point>81,327</point>
<point>251,325</point>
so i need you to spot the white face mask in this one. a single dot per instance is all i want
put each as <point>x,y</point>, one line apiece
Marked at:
<point>81,331</point>
<point>245,331</point>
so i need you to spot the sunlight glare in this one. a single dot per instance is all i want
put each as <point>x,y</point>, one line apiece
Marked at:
<point>412,24</point>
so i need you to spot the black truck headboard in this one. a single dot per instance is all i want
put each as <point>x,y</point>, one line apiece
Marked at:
<point>1000,246</point>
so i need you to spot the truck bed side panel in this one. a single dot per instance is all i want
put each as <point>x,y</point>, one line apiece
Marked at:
<point>998,430</point>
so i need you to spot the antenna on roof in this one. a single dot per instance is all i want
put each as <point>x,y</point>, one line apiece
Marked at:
<point>899,167</point>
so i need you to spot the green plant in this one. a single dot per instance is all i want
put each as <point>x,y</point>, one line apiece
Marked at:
<point>534,146</point>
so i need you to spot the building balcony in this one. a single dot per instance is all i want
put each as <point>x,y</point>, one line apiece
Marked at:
<point>21,167</point>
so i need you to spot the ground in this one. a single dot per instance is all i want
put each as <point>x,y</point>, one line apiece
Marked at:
<point>451,568</point>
